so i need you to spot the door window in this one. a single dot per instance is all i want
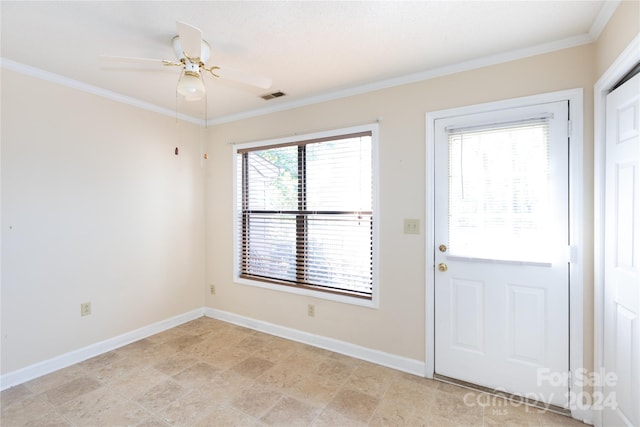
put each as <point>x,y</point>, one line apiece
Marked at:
<point>499,191</point>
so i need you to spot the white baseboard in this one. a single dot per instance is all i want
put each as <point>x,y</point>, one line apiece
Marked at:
<point>39,369</point>
<point>412,366</point>
<point>583,414</point>
<point>36,370</point>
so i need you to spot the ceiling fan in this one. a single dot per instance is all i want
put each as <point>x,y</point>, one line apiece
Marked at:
<point>193,53</point>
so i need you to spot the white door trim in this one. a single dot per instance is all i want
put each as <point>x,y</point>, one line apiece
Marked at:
<point>622,65</point>
<point>576,221</point>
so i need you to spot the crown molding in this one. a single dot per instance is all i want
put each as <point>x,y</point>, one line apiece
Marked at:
<point>412,78</point>
<point>38,73</point>
<point>606,12</point>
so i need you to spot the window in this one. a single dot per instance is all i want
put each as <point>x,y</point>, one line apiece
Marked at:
<point>305,213</point>
<point>499,191</point>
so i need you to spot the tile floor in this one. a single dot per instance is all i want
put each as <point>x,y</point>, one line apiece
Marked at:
<point>210,373</point>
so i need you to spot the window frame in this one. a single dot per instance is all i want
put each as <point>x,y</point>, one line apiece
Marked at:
<point>291,140</point>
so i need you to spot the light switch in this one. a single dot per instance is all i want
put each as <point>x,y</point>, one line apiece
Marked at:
<point>411,226</point>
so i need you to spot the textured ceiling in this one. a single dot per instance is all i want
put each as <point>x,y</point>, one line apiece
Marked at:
<point>309,49</point>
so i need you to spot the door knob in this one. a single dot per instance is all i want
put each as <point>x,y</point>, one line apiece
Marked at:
<point>442,266</point>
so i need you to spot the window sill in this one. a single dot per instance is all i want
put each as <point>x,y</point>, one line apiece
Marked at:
<point>371,303</point>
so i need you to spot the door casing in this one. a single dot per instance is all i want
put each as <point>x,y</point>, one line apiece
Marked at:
<point>576,222</point>
<point>621,66</point>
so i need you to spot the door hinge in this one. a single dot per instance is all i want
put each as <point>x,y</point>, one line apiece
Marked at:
<point>569,128</point>
<point>572,254</point>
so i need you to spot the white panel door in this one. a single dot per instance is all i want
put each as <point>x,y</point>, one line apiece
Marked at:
<point>622,256</point>
<point>501,263</point>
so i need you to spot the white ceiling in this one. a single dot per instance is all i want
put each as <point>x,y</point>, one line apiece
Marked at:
<point>311,49</point>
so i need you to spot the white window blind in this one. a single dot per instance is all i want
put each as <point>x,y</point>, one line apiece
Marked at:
<point>305,214</point>
<point>499,191</point>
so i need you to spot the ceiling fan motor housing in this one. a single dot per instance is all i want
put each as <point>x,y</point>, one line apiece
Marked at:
<point>191,67</point>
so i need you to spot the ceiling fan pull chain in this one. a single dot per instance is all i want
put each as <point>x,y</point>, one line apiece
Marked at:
<point>176,93</point>
<point>206,111</point>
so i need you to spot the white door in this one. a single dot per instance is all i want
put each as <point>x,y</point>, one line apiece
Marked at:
<point>622,257</point>
<point>501,263</point>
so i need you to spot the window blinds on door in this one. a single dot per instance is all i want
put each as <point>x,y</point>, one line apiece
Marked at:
<point>499,195</point>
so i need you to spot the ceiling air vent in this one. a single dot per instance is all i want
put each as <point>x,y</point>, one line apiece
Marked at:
<point>272,95</point>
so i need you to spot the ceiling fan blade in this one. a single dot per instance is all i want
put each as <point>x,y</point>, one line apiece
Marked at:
<point>190,39</point>
<point>243,77</point>
<point>137,60</point>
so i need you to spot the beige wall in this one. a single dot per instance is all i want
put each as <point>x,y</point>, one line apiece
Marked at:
<point>398,326</point>
<point>95,207</point>
<point>623,26</point>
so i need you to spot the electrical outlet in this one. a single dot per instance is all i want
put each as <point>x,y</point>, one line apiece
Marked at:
<point>212,289</point>
<point>85,309</point>
<point>311,310</point>
<point>411,226</point>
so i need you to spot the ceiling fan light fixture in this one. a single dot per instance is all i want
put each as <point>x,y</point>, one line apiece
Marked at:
<point>190,86</point>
